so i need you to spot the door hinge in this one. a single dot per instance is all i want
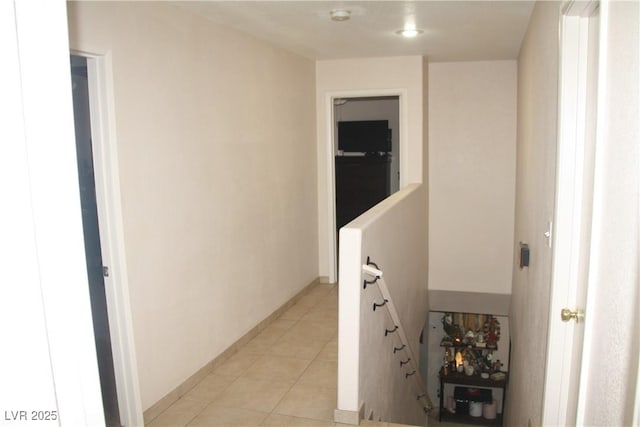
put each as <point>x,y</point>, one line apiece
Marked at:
<point>105,271</point>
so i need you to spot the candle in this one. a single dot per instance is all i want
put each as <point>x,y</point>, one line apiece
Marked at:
<point>458,359</point>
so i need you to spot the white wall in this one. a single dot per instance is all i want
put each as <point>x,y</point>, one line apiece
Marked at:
<point>383,76</point>
<point>612,312</point>
<point>217,155</point>
<point>472,136</point>
<point>535,192</point>
<point>374,109</point>
<point>393,235</point>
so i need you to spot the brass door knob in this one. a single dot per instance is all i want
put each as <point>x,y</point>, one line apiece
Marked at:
<point>566,315</point>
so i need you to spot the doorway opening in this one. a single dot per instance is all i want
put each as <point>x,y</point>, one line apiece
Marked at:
<point>96,270</point>
<point>366,134</point>
<point>97,158</point>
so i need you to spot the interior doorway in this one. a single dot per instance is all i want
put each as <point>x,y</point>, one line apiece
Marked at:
<point>575,202</point>
<point>366,134</point>
<point>96,270</point>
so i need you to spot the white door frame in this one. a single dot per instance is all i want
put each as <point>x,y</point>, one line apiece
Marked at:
<point>330,155</point>
<point>574,173</point>
<point>108,200</point>
<point>46,135</point>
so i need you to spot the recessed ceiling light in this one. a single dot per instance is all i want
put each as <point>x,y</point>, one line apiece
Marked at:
<point>340,15</point>
<point>409,32</point>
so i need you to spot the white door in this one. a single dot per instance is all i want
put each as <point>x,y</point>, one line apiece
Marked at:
<point>571,230</point>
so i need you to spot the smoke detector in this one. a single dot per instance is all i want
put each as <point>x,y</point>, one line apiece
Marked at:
<point>340,15</point>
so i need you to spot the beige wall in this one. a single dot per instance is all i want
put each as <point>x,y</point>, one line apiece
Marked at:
<point>472,143</point>
<point>535,189</point>
<point>217,155</point>
<point>348,77</point>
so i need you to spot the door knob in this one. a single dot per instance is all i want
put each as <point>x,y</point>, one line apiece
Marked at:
<point>566,315</point>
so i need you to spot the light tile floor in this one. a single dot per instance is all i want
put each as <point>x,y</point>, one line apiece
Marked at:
<point>285,376</point>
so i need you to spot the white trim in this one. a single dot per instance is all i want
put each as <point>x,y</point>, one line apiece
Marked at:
<point>600,156</point>
<point>53,178</point>
<point>636,406</point>
<point>559,336</point>
<point>331,195</point>
<point>636,403</point>
<point>25,364</point>
<point>572,212</point>
<point>349,320</point>
<point>403,167</point>
<point>108,200</point>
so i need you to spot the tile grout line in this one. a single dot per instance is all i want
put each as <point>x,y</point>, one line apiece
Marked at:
<point>261,356</point>
<point>305,370</point>
<point>297,381</point>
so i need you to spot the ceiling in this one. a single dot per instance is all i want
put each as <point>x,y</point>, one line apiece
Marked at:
<point>453,30</point>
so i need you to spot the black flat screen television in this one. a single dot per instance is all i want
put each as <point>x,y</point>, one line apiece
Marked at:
<point>367,136</point>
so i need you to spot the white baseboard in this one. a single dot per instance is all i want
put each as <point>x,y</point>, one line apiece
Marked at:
<point>349,417</point>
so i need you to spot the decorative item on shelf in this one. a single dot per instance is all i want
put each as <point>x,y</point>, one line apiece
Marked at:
<point>448,361</point>
<point>491,332</point>
<point>468,369</point>
<point>459,361</point>
<point>475,409</point>
<point>484,375</point>
<point>470,322</point>
<point>469,355</point>
<point>447,324</point>
<point>489,410</point>
<point>451,404</point>
<point>480,340</point>
<point>470,338</point>
<point>498,376</point>
<point>487,364</point>
<point>458,319</point>
<point>458,334</point>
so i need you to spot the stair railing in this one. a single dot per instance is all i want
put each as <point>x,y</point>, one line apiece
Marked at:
<point>408,365</point>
